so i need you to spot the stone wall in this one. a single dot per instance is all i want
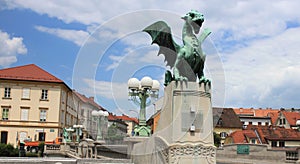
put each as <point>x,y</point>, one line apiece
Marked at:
<point>257,154</point>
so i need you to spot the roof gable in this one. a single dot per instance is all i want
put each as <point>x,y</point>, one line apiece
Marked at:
<point>29,72</point>
<point>89,100</point>
<point>291,117</point>
<point>226,118</point>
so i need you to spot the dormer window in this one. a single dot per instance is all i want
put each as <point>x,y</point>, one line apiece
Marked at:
<point>220,121</point>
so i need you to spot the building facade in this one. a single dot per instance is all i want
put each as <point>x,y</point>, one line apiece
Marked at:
<point>34,104</point>
<point>85,106</point>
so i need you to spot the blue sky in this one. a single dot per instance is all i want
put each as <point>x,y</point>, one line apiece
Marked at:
<point>253,54</point>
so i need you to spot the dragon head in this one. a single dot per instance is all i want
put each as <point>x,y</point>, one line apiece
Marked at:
<point>195,19</point>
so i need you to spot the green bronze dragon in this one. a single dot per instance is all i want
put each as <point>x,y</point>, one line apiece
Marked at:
<point>187,61</point>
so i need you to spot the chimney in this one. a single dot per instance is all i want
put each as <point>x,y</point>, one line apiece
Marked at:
<point>91,98</point>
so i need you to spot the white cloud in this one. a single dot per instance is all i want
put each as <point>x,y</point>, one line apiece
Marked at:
<point>133,56</point>
<point>10,48</point>
<point>264,54</point>
<point>256,75</point>
<point>107,89</point>
<point>76,36</point>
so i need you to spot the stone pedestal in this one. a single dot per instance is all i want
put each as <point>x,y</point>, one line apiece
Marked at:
<point>130,141</point>
<point>185,130</point>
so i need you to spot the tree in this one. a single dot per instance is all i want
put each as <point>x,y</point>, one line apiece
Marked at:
<point>217,139</point>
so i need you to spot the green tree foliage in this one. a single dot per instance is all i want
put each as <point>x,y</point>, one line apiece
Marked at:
<point>217,139</point>
<point>112,133</point>
<point>41,149</point>
<point>8,150</point>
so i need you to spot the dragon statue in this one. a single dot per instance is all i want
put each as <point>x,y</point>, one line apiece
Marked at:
<point>187,61</point>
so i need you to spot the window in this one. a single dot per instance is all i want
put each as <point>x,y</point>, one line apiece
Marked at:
<point>250,123</point>
<point>26,93</point>
<point>23,136</point>
<point>223,134</point>
<point>253,141</point>
<point>5,113</point>
<point>82,112</point>
<point>7,92</point>
<point>274,143</point>
<point>281,144</point>
<point>282,121</point>
<point>220,121</point>
<point>62,117</point>
<point>43,114</point>
<point>267,123</point>
<point>24,114</point>
<point>42,136</point>
<point>44,94</point>
<point>4,136</point>
<point>259,123</point>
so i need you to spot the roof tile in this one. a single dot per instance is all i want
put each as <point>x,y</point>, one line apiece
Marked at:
<point>29,72</point>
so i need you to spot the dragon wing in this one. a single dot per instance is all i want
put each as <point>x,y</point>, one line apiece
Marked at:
<point>161,34</point>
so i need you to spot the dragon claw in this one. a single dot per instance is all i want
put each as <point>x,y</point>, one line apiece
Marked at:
<point>204,80</point>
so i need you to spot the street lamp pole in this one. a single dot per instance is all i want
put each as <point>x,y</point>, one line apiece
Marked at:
<point>98,115</point>
<point>139,92</point>
<point>78,130</point>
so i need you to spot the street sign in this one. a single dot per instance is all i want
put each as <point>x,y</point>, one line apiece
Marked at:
<point>242,149</point>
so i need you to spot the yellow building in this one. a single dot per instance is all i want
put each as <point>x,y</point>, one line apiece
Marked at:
<point>225,122</point>
<point>34,104</point>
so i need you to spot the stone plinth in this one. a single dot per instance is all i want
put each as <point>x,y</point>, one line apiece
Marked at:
<point>185,130</point>
<point>131,141</point>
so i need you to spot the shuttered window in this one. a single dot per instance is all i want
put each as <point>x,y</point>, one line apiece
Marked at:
<point>24,114</point>
<point>26,93</point>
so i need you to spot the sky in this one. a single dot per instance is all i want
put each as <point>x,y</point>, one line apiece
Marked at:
<point>94,46</point>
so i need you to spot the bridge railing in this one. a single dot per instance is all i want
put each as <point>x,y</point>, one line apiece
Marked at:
<point>52,147</point>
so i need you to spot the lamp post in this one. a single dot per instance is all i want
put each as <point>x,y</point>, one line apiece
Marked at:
<point>98,115</point>
<point>78,130</point>
<point>139,92</point>
<point>68,134</point>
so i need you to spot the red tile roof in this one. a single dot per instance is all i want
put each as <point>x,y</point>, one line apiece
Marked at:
<point>127,118</point>
<point>89,100</point>
<point>244,111</point>
<point>29,72</point>
<point>112,117</point>
<point>123,118</point>
<point>274,117</point>
<point>291,117</point>
<point>255,112</point>
<point>238,136</point>
<point>275,133</point>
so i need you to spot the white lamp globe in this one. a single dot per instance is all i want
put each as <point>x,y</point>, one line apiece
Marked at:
<point>105,113</point>
<point>155,85</point>
<point>133,83</point>
<point>101,113</point>
<point>94,113</point>
<point>146,82</point>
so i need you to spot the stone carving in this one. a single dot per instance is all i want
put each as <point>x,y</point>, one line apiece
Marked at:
<point>162,149</point>
<point>178,151</point>
<point>192,93</point>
